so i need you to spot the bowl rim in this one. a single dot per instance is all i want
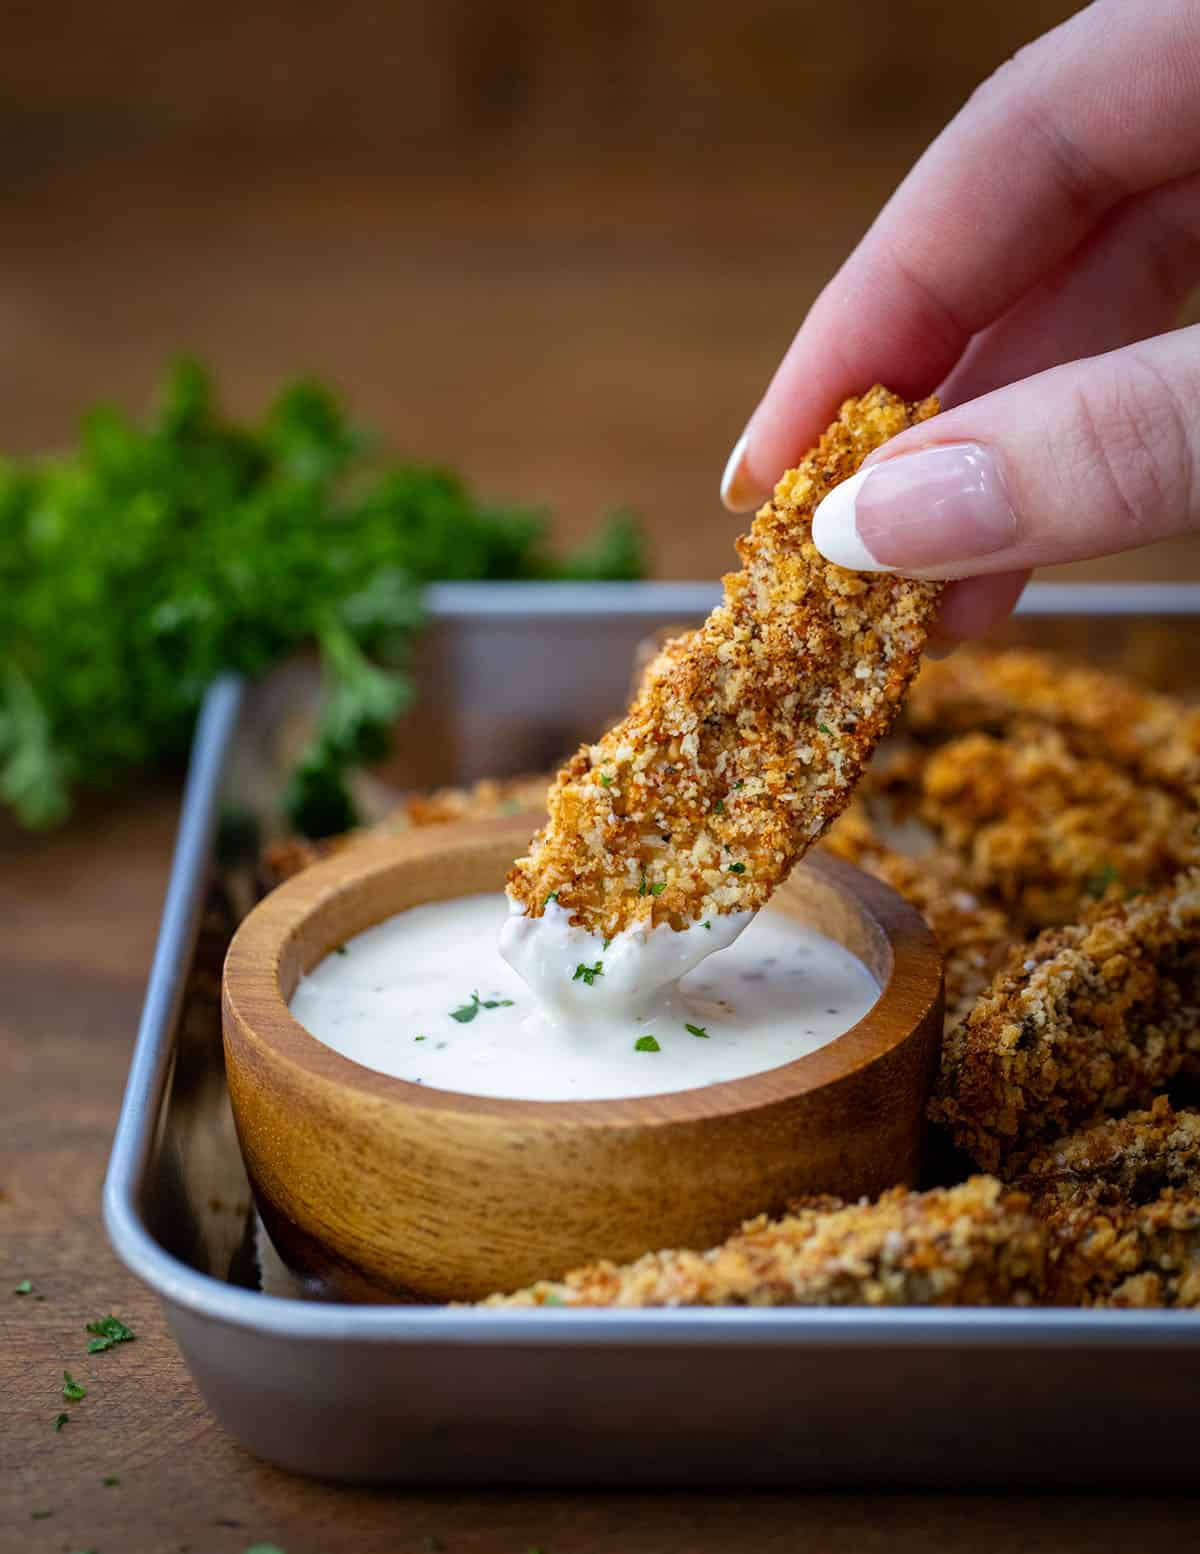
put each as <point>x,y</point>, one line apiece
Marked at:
<point>251,981</point>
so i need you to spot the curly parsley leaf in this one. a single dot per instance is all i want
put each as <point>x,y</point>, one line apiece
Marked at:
<point>158,554</point>
<point>109,1332</point>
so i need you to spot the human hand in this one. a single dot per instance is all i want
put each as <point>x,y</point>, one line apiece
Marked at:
<point>1054,221</point>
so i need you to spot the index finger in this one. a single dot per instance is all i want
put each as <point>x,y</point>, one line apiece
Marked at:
<point>1100,109</point>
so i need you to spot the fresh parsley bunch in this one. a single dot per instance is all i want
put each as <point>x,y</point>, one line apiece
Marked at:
<point>137,568</point>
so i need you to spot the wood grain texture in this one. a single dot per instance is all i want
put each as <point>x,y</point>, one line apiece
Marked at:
<point>448,1197</point>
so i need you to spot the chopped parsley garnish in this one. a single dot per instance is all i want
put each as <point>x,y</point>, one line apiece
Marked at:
<point>264,1548</point>
<point>657,890</point>
<point>825,728</point>
<point>646,1044</point>
<point>606,943</point>
<point>719,807</point>
<point>605,780</point>
<point>588,974</point>
<point>110,1480</point>
<point>40,1516</point>
<point>553,896</point>
<point>647,889</point>
<point>696,1030</point>
<point>708,925</point>
<point>551,1299</point>
<point>60,1420</point>
<point>109,1331</point>
<point>738,785</point>
<point>24,1288</point>
<point>737,868</point>
<point>420,1038</point>
<point>467,1012</point>
<point>339,949</point>
<point>72,1391</point>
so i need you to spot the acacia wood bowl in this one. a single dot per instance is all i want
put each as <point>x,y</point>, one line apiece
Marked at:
<point>374,1188</point>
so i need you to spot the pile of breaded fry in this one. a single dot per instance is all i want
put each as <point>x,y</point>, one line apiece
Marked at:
<point>1058,811</point>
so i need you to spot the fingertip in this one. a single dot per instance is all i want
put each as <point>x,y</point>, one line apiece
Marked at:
<point>739,490</point>
<point>972,606</point>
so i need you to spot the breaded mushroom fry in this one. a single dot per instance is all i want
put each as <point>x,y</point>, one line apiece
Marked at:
<point>971,1245</point>
<point>749,734</point>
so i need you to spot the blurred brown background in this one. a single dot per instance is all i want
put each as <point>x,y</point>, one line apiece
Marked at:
<point>557,245</point>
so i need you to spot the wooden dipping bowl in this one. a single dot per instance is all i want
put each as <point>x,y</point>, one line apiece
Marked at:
<point>375,1188</point>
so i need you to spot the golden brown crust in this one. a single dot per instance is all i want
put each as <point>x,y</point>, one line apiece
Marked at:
<point>1088,1020</point>
<point>1121,1201</point>
<point>749,734</point>
<point>1046,831</point>
<point>1098,713</point>
<point>970,1245</point>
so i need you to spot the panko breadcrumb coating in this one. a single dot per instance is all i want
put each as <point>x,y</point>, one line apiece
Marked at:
<point>1099,713</point>
<point>749,733</point>
<point>1048,831</point>
<point>1121,1201</point>
<point>971,1245</point>
<point>1132,1158</point>
<point>1087,1020</point>
<point>483,801</point>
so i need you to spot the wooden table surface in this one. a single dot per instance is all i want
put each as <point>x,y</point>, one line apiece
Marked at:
<point>569,309</point>
<point>79,912</point>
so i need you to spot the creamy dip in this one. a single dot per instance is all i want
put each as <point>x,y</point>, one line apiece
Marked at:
<point>426,996</point>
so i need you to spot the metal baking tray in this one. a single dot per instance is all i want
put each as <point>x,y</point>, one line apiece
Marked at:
<point>430,1395</point>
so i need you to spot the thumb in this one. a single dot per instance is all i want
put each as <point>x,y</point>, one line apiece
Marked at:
<point>1087,459</point>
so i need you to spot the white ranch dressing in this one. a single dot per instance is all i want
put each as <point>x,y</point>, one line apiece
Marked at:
<point>388,999</point>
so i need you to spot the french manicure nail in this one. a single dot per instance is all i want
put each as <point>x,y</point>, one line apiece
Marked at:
<point>738,491</point>
<point>930,510</point>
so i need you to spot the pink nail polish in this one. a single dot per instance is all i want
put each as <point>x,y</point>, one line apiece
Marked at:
<point>935,508</point>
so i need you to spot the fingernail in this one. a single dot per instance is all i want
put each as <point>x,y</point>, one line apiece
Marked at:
<point>738,490</point>
<point>930,510</point>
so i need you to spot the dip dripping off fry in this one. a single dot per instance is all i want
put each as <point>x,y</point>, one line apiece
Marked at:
<point>748,735</point>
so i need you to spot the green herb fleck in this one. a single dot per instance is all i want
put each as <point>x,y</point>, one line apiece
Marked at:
<point>825,728</point>
<point>420,1038</point>
<point>737,868</point>
<point>24,1288</point>
<point>339,949</point>
<point>1097,884</point>
<point>110,1480</point>
<point>72,1391</point>
<point>264,1548</point>
<point>738,785</point>
<point>553,896</point>
<point>719,807</point>
<point>708,925</point>
<point>588,974</point>
<point>109,1331</point>
<point>467,1012</point>
<point>59,1421</point>
<point>696,1030</point>
<point>605,780</point>
<point>551,1299</point>
<point>40,1516</point>
<point>606,943</point>
<point>646,1044</point>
